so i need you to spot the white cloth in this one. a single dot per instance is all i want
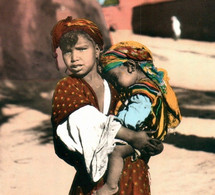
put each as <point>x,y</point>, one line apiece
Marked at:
<point>107,97</point>
<point>92,134</point>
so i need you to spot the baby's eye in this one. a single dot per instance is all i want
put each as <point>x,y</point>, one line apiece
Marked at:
<point>114,77</point>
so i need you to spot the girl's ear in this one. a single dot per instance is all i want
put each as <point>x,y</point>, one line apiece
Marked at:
<point>131,66</point>
<point>98,51</point>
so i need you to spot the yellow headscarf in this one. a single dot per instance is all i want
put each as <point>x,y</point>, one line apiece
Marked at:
<point>127,50</point>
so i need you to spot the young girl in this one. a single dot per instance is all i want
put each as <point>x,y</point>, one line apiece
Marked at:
<point>147,103</point>
<point>84,127</point>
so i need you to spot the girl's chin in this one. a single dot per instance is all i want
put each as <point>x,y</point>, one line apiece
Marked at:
<point>78,74</point>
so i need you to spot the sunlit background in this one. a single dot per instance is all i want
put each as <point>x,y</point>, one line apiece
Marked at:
<point>181,36</point>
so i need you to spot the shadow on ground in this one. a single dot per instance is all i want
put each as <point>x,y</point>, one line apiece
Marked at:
<point>26,94</point>
<point>191,142</point>
<point>45,129</point>
<point>29,94</point>
<point>193,103</point>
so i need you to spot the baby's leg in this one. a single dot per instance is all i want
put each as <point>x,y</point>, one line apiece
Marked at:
<point>115,168</point>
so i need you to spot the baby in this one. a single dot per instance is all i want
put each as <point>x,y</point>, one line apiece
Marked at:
<point>147,103</point>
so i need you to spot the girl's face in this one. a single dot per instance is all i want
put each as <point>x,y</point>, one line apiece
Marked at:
<point>122,77</point>
<point>80,58</point>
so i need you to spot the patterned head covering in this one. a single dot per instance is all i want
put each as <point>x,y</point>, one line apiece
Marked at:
<point>80,24</point>
<point>131,50</point>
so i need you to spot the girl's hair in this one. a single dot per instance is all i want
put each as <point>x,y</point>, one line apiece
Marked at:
<point>71,38</point>
<point>79,24</point>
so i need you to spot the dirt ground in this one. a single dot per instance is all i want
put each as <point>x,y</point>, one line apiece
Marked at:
<point>28,164</point>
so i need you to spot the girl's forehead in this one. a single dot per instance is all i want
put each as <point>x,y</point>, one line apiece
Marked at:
<point>83,40</point>
<point>71,39</point>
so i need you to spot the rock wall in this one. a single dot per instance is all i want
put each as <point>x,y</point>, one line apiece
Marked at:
<point>25,44</point>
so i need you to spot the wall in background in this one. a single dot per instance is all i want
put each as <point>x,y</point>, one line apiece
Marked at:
<point>197,18</point>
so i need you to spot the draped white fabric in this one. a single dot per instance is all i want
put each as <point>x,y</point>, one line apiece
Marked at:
<point>92,134</point>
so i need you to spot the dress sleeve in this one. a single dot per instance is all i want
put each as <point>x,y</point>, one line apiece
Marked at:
<point>135,112</point>
<point>92,134</point>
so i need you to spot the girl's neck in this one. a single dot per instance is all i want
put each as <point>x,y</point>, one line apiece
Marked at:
<point>93,78</point>
<point>97,84</point>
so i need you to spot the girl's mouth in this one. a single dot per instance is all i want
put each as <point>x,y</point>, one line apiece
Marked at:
<point>75,67</point>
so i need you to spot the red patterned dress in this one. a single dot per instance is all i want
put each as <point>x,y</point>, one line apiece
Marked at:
<point>70,95</point>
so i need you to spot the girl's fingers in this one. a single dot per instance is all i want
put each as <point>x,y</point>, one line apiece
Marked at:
<point>153,147</point>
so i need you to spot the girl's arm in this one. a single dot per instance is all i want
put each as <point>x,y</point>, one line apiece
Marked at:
<point>86,126</point>
<point>92,134</point>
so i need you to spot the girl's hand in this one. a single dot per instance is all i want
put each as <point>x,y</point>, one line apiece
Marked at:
<point>155,147</point>
<point>141,141</point>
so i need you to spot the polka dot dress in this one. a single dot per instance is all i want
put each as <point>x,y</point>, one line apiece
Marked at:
<point>134,179</point>
<point>72,94</point>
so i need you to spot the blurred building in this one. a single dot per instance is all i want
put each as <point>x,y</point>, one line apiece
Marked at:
<point>153,17</point>
<point>197,19</point>
<point>118,13</point>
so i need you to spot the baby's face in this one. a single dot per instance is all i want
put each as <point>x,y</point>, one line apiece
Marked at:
<point>121,77</point>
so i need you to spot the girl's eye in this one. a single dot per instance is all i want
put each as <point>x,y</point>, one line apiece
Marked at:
<point>81,48</point>
<point>66,52</point>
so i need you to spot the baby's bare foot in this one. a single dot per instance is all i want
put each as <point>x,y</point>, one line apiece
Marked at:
<point>106,190</point>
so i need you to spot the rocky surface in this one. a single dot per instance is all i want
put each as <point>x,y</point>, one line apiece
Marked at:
<point>25,45</point>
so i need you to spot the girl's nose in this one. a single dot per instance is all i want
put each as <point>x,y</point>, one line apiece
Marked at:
<point>74,56</point>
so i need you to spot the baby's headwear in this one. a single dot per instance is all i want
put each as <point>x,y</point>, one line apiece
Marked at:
<point>79,24</point>
<point>132,50</point>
